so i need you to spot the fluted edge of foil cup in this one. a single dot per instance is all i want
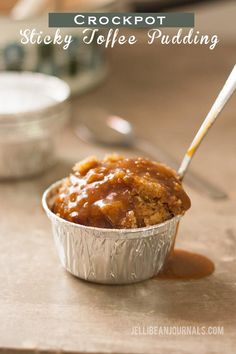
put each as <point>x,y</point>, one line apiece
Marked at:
<point>110,256</point>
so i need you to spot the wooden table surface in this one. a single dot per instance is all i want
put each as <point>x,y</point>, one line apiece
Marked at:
<point>44,309</point>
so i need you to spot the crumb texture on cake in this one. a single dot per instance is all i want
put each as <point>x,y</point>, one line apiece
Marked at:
<point>119,192</point>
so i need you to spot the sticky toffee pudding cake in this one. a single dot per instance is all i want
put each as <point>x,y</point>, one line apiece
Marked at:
<point>120,193</point>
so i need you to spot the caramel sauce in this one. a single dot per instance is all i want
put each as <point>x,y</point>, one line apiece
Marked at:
<point>120,192</point>
<point>184,265</point>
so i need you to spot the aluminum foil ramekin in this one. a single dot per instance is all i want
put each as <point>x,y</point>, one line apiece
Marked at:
<point>33,110</point>
<point>110,256</point>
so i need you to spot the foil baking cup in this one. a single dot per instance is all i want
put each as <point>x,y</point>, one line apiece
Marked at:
<point>110,256</point>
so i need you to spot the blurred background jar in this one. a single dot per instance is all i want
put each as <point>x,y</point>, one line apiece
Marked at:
<point>37,80</point>
<point>34,110</point>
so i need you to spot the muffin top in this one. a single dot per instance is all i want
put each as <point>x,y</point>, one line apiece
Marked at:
<point>119,192</point>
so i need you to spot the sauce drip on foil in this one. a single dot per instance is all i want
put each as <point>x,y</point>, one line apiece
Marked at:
<point>184,265</point>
